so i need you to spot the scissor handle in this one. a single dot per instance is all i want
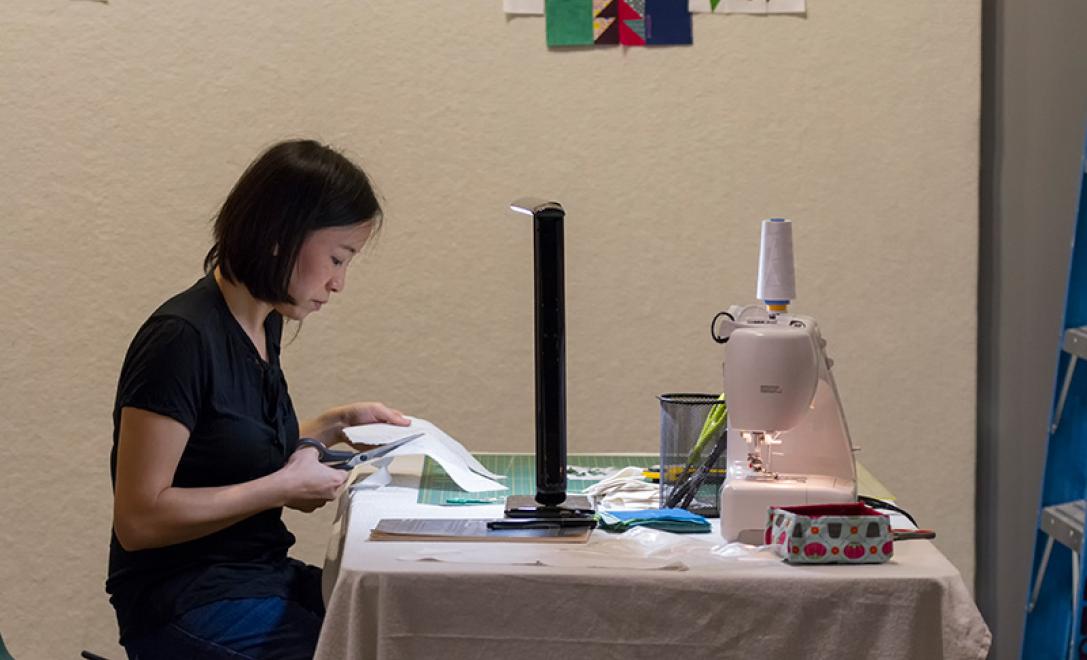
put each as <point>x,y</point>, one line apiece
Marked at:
<point>324,454</point>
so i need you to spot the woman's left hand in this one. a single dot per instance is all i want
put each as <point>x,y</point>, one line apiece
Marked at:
<point>328,428</point>
<point>368,412</point>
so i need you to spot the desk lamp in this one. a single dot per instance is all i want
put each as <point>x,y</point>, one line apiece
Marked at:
<point>551,500</point>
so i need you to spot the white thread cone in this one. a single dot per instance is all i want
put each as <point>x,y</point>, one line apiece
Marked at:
<point>777,279</point>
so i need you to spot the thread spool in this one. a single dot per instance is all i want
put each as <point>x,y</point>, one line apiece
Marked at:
<point>777,277</point>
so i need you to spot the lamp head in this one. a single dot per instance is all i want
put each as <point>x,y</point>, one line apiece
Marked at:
<point>535,206</point>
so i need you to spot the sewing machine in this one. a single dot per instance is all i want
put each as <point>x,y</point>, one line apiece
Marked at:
<point>788,442</point>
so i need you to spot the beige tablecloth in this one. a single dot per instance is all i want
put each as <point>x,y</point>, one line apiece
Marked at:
<point>394,601</point>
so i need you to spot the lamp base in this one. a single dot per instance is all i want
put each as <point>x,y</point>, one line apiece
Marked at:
<point>526,506</point>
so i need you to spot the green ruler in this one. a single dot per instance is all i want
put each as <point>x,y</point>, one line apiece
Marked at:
<point>435,486</point>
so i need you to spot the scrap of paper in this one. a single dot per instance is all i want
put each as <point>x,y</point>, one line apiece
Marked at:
<point>458,462</point>
<point>530,7</point>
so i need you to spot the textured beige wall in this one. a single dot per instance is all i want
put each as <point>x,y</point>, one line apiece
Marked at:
<point>123,126</point>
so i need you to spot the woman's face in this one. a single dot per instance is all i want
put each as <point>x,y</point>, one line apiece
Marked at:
<point>321,268</point>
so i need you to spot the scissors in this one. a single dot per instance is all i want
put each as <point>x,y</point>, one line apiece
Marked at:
<point>347,459</point>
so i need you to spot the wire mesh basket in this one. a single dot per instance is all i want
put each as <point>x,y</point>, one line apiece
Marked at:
<point>693,463</point>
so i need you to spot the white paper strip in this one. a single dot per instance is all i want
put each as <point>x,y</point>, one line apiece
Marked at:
<point>458,463</point>
<point>786,7</point>
<point>749,6</point>
<point>532,7</point>
<point>742,6</point>
<point>379,434</point>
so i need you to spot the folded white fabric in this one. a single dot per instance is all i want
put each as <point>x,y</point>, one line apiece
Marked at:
<point>624,488</point>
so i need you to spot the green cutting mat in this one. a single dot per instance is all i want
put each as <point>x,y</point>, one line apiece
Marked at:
<point>435,486</point>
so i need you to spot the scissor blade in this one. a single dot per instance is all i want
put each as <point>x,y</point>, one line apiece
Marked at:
<point>386,448</point>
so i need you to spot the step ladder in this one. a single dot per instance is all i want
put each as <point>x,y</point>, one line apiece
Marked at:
<point>1075,344</point>
<point>1055,625</point>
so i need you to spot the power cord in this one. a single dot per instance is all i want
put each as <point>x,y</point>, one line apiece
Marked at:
<point>883,504</point>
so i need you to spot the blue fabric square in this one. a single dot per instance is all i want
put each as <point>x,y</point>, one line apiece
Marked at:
<point>668,23</point>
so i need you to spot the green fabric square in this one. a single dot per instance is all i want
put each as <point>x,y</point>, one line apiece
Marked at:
<point>569,22</point>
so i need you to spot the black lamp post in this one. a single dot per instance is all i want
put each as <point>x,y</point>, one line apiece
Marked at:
<point>550,314</point>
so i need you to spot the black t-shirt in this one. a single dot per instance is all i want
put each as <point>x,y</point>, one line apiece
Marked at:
<point>192,361</point>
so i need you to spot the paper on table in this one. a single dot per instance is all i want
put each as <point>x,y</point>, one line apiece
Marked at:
<point>458,463</point>
<point>693,552</point>
<point>545,556</point>
<point>535,7</point>
<point>640,548</point>
<point>470,530</point>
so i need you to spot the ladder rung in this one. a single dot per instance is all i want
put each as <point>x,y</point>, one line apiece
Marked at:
<point>1064,522</point>
<point>1075,341</point>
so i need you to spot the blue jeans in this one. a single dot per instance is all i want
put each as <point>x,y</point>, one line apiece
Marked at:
<point>241,629</point>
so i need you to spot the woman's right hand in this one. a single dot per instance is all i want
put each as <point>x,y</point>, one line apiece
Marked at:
<point>308,480</point>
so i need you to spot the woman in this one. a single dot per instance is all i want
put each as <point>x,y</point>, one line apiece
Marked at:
<point>203,458</point>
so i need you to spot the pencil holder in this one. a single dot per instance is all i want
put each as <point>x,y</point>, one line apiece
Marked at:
<point>690,479</point>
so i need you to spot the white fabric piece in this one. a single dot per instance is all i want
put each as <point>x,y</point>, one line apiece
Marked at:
<point>738,603</point>
<point>624,489</point>
<point>620,500</point>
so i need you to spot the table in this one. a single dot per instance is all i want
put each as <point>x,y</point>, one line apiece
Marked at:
<point>388,601</point>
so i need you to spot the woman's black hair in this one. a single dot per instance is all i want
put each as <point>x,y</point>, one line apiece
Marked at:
<point>292,189</point>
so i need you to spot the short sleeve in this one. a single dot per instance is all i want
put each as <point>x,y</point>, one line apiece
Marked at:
<point>164,371</point>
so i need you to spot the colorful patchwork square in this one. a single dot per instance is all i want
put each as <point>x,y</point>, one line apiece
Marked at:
<point>668,23</point>
<point>632,22</point>
<point>627,22</point>
<point>569,23</point>
<point>606,22</point>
